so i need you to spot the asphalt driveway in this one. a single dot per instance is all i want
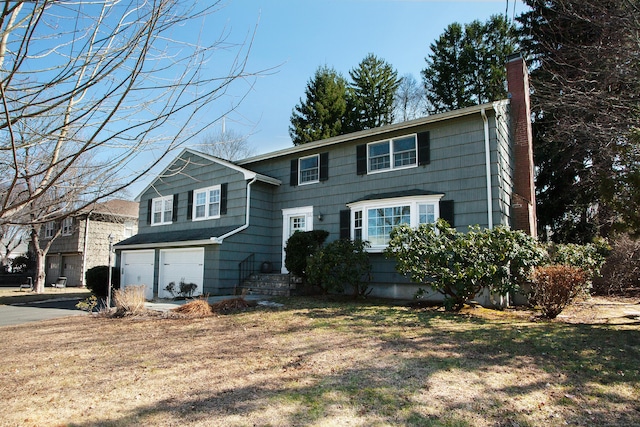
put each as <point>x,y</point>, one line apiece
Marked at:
<point>35,311</point>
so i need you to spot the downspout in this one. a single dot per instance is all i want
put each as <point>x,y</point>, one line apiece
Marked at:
<point>218,240</point>
<point>487,158</point>
<point>84,251</point>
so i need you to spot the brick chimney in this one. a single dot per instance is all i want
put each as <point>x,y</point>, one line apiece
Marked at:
<point>523,201</point>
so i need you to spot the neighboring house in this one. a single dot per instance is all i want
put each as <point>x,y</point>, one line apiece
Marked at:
<point>202,216</point>
<point>83,242</point>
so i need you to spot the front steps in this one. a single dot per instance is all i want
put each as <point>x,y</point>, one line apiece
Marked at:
<point>268,284</point>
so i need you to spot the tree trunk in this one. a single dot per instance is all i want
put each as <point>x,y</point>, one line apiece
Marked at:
<point>39,259</point>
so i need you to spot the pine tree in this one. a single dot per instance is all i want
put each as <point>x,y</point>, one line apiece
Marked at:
<point>322,114</point>
<point>466,65</point>
<point>372,91</point>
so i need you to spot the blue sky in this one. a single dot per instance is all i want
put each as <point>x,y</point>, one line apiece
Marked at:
<point>298,36</point>
<point>294,37</point>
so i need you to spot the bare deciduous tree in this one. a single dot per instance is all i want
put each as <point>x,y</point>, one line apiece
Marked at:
<point>226,144</point>
<point>94,94</point>
<point>410,99</point>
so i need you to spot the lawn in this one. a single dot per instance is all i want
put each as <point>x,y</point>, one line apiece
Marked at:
<point>316,362</point>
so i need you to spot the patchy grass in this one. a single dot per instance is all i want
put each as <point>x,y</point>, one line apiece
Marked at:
<point>323,363</point>
<point>15,295</point>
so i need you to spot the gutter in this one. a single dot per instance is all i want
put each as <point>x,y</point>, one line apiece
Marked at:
<point>218,240</point>
<point>487,158</point>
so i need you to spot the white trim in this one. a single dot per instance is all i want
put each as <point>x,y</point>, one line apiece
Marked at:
<point>207,202</point>
<point>163,220</point>
<point>315,181</point>
<point>390,142</point>
<point>412,201</point>
<point>487,154</point>
<point>287,214</point>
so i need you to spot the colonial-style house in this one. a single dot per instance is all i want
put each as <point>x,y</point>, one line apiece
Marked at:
<point>83,241</point>
<point>203,219</point>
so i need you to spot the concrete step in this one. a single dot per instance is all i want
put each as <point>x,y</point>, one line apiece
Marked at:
<point>267,284</point>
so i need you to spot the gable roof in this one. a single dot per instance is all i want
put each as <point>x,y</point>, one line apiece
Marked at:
<point>248,174</point>
<point>114,207</point>
<point>475,109</point>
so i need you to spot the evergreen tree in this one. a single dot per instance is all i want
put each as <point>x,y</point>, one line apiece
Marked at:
<point>323,112</point>
<point>586,86</point>
<point>371,93</point>
<point>466,65</point>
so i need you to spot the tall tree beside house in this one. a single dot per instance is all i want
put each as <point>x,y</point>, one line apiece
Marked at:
<point>586,95</point>
<point>322,113</point>
<point>372,90</point>
<point>227,144</point>
<point>466,64</point>
<point>98,91</point>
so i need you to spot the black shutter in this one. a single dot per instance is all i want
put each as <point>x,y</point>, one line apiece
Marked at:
<point>324,166</point>
<point>149,210</point>
<point>293,177</point>
<point>424,148</point>
<point>174,213</point>
<point>446,212</point>
<point>223,199</point>
<point>345,224</point>
<point>190,205</point>
<point>361,159</point>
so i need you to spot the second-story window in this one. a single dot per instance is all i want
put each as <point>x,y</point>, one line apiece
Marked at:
<point>206,203</point>
<point>309,169</point>
<point>67,226</point>
<point>392,154</point>
<point>162,210</point>
<point>49,230</point>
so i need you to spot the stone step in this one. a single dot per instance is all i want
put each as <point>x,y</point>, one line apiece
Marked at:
<point>267,284</point>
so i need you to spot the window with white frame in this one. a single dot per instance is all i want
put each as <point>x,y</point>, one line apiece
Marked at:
<point>128,228</point>
<point>49,230</point>
<point>206,203</point>
<point>67,226</point>
<point>309,169</point>
<point>162,210</point>
<point>392,154</point>
<point>373,220</point>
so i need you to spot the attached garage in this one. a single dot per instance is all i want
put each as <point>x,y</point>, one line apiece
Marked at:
<point>137,269</point>
<point>177,266</point>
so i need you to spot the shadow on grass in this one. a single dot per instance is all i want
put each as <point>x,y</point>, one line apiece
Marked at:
<point>570,374</point>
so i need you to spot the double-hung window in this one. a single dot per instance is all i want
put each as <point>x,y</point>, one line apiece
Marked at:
<point>309,169</point>
<point>49,230</point>
<point>67,226</point>
<point>373,220</point>
<point>206,203</point>
<point>162,210</point>
<point>392,154</point>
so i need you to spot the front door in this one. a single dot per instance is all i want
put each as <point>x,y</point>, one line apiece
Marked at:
<point>295,219</point>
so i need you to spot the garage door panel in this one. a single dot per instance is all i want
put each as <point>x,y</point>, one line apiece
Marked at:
<point>138,269</point>
<point>180,265</point>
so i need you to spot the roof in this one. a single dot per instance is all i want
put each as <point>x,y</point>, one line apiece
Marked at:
<point>476,109</point>
<point>114,207</point>
<point>248,174</point>
<point>180,236</point>
<point>397,194</point>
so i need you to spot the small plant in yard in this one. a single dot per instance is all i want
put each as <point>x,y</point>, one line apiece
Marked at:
<point>184,289</point>
<point>556,286</point>
<point>341,262</point>
<point>129,300</point>
<point>88,304</point>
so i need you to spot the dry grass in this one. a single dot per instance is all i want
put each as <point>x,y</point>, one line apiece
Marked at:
<point>130,300</point>
<point>323,363</point>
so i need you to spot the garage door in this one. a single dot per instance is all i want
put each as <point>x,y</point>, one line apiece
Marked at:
<point>180,266</point>
<point>137,269</point>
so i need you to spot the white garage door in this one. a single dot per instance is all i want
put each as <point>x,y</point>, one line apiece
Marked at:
<point>180,266</point>
<point>137,269</point>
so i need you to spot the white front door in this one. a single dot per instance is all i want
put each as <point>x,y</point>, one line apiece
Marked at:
<point>137,269</point>
<point>295,219</point>
<point>180,265</point>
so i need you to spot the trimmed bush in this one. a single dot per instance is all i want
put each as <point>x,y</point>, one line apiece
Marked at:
<point>301,245</point>
<point>556,286</point>
<point>97,278</point>
<point>341,263</point>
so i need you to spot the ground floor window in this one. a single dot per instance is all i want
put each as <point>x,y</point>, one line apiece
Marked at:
<point>373,220</point>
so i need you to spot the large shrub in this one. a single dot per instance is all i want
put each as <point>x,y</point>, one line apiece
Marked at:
<point>556,286</point>
<point>589,258</point>
<point>97,279</point>
<point>621,270</point>
<point>299,247</point>
<point>459,265</point>
<point>341,263</point>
